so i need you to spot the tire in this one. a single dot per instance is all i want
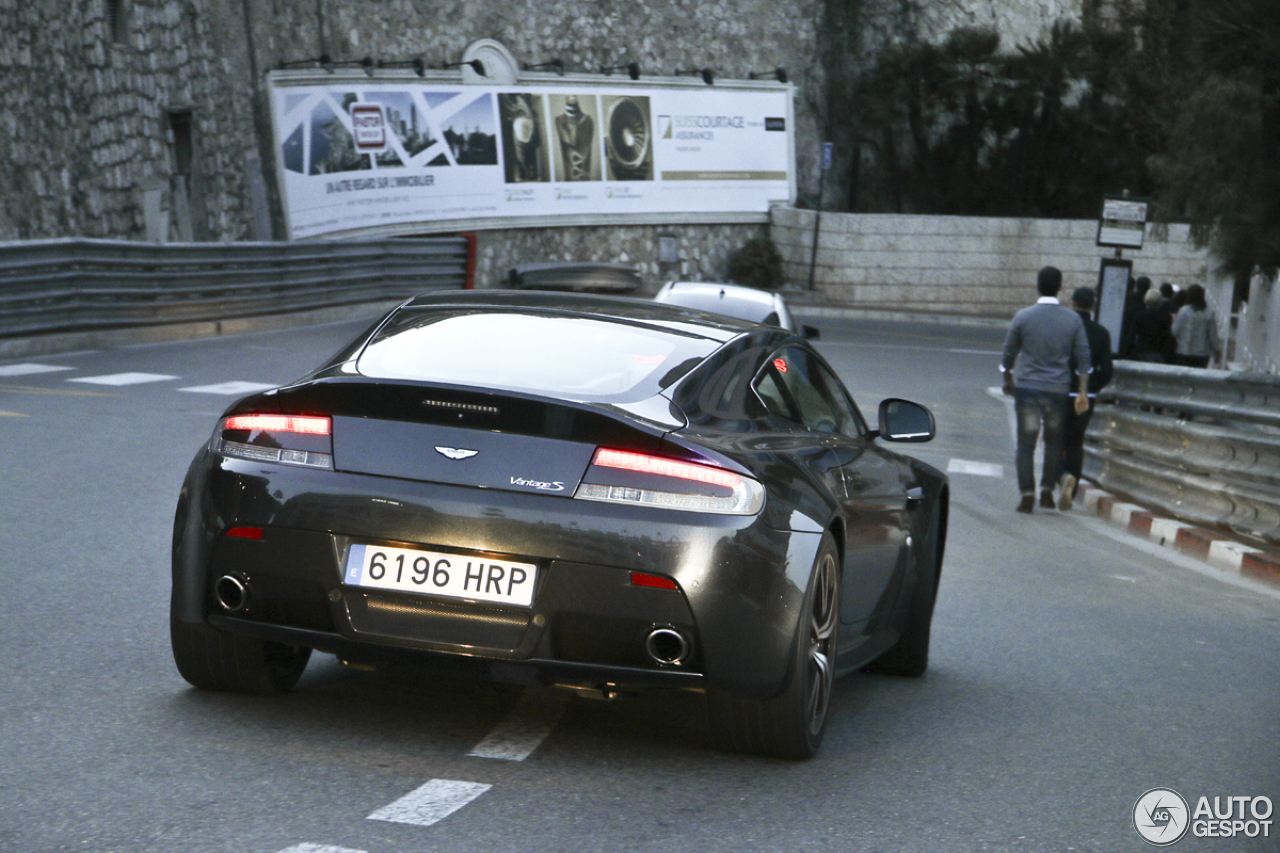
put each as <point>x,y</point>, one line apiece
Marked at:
<point>215,660</point>
<point>792,724</point>
<point>910,655</point>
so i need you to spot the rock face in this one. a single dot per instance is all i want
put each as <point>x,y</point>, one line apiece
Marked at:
<point>147,119</point>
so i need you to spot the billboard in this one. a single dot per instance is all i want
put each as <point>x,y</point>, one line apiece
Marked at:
<point>401,156</point>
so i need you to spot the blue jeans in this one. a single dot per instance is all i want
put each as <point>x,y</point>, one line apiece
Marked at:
<point>1034,409</point>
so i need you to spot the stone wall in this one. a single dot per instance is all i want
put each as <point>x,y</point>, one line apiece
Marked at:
<point>84,118</point>
<point>703,250</point>
<point>1018,23</point>
<point>961,264</point>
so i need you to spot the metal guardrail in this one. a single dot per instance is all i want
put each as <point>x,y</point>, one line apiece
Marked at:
<point>1203,445</point>
<point>50,286</point>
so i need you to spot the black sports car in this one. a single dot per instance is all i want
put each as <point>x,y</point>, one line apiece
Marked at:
<point>542,488</point>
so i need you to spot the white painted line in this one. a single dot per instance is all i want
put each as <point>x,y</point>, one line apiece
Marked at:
<point>525,728</point>
<point>1164,531</point>
<point>1124,578</point>
<point>978,469</point>
<point>1229,555</point>
<point>124,378</point>
<point>308,847</point>
<point>228,388</point>
<point>29,369</point>
<point>431,803</point>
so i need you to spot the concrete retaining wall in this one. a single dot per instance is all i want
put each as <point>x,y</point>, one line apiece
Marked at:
<point>961,264</point>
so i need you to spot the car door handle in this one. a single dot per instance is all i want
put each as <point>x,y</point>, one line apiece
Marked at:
<point>915,494</point>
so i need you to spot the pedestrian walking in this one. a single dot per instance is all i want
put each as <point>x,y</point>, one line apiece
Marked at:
<point>1038,349</point>
<point>1195,330</point>
<point>1100,369</point>
<point>1149,333</point>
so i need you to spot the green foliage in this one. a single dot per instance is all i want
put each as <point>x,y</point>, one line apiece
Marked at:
<point>960,128</point>
<point>756,263</point>
<point>1221,166</point>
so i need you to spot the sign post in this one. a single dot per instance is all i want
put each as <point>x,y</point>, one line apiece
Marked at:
<point>827,149</point>
<point>1123,225</point>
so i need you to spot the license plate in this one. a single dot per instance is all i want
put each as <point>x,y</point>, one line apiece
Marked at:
<point>435,573</point>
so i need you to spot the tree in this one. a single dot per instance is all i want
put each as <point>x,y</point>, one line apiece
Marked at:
<point>1221,166</point>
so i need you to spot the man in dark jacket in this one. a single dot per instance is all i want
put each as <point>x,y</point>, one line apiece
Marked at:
<point>1099,375</point>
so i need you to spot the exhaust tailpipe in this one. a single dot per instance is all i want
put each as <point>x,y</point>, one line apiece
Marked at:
<point>666,646</point>
<point>232,593</point>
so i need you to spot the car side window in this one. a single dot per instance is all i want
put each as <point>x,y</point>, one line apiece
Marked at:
<point>796,386</point>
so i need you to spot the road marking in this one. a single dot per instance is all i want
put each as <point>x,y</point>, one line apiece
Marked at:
<point>29,369</point>
<point>525,728</point>
<point>308,847</point>
<point>228,388</point>
<point>4,414</point>
<point>124,378</point>
<point>431,803</point>
<point>31,389</point>
<point>978,469</point>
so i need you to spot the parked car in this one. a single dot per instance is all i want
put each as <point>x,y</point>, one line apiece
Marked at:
<point>602,493</point>
<point>733,300</point>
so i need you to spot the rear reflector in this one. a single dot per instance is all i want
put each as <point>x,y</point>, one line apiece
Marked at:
<point>656,581</point>
<point>657,482</point>
<point>245,532</point>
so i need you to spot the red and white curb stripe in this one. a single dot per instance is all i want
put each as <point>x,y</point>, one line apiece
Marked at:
<point>1215,548</point>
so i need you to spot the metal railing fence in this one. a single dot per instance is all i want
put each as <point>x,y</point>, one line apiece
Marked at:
<point>50,286</point>
<point>1203,445</point>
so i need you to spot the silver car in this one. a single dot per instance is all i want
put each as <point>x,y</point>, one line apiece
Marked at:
<point>733,300</point>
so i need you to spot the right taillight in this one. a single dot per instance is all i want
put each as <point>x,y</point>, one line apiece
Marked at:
<point>304,440</point>
<point>626,477</point>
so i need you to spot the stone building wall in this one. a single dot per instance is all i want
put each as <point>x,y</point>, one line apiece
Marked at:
<point>964,264</point>
<point>85,107</point>
<point>84,118</point>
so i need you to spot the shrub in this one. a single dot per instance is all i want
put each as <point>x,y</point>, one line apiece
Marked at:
<point>756,263</point>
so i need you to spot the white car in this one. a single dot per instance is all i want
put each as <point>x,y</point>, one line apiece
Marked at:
<point>733,300</point>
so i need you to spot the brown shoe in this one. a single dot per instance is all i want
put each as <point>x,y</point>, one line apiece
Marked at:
<point>1046,499</point>
<point>1028,504</point>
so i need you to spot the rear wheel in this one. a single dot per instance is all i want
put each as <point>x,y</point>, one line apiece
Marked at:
<point>792,724</point>
<point>215,660</point>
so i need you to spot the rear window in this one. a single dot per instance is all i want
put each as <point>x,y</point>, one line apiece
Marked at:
<point>572,358</point>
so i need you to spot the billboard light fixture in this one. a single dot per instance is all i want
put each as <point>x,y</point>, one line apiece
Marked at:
<point>475,65</point>
<point>779,74</point>
<point>705,73</point>
<point>556,65</point>
<point>632,69</point>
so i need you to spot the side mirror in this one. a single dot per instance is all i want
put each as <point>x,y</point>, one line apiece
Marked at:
<point>809,332</point>
<point>902,420</point>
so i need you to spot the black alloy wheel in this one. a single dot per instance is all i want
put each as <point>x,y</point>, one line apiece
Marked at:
<point>792,724</point>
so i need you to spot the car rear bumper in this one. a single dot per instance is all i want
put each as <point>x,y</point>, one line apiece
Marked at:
<point>740,582</point>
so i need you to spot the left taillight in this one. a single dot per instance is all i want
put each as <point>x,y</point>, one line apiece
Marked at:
<point>621,476</point>
<point>304,440</point>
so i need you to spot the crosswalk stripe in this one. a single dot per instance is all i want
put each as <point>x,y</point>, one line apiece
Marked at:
<point>29,369</point>
<point>124,378</point>
<point>978,469</point>
<point>431,803</point>
<point>228,388</point>
<point>525,728</point>
<point>308,847</point>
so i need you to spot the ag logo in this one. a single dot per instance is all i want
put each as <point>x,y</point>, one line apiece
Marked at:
<point>1161,817</point>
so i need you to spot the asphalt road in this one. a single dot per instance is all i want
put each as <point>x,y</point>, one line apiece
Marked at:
<point>1072,670</point>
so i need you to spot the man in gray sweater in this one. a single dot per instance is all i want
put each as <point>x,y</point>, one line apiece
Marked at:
<point>1042,340</point>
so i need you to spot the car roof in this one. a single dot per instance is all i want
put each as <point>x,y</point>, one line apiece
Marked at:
<point>732,300</point>
<point>676,318</point>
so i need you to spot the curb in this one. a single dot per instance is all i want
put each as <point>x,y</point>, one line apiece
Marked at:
<point>1215,548</point>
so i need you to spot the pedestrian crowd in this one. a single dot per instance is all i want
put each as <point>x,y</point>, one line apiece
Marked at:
<point>1056,359</point>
